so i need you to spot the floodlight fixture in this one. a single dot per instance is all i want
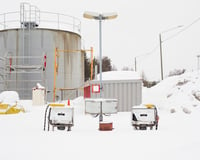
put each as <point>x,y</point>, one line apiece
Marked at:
<point>99,16</point>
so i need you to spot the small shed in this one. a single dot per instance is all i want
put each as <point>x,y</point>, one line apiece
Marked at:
<point>126,86</point>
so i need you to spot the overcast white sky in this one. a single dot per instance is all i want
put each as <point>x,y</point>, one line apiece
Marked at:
<point>135,31</point>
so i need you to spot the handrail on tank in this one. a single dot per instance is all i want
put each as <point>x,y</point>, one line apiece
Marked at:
<point>48,20</point>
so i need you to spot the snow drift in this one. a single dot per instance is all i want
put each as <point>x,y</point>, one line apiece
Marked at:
<point>176,93</point>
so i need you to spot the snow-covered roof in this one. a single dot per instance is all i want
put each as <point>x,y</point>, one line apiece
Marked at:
<point>119,75</point>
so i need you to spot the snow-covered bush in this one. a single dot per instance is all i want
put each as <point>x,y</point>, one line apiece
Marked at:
<point>186,110</point>
<point>176,72</point>
<point>182,82</point>
<point>172,110</point>
<point>196,94</point>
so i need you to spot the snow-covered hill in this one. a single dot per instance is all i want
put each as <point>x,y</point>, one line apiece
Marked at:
<point>176,93</point>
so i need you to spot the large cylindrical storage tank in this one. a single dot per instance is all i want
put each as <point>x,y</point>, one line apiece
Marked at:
<point>42,42</point>
<point>28,56</point>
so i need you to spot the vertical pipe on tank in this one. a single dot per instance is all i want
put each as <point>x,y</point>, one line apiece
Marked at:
<point>54,83</point>
<point>29,35</point>
<point>22,14</point>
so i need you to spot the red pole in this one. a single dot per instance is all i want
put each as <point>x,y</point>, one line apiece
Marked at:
<point>10,61</point>
<point>91,70</point>
<point>45,61</point>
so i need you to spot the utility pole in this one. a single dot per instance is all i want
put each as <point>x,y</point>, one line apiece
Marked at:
<point>198,67</point>
<point>160,42</point>
<point>135,64</point>
<point>161,60</point>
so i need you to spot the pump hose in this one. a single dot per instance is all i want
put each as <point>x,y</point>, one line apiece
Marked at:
<point>45,116</point>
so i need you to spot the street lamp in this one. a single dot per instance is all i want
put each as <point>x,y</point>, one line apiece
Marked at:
<point>160,42</point>
<point>100,17</point>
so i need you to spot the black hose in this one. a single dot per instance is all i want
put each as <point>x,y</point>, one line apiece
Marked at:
<point>45,117</point>
<point>49,118</point>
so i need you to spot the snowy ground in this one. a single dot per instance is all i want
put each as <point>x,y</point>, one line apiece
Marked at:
<point>178,136</point>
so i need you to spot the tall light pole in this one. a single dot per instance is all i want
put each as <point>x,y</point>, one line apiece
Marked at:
<point>160,43</point>
<point>198,67</point>
<point>161,59</point>
<point>135,64</point>
<point>100,17</point>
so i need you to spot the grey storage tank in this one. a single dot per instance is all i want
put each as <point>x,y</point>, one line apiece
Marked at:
<point>28,42</point>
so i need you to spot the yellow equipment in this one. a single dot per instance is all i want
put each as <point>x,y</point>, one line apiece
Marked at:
<point>149,106</point>
<point>7,109</point>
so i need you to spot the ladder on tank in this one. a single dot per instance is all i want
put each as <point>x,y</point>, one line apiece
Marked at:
<point>29,20</point>
<point>29,16</point>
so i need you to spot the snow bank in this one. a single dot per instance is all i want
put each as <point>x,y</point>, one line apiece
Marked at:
<point>9,97</point>
<point>176,93</point>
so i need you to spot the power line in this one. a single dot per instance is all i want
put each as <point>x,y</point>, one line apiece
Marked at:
<point>150,52</point>
<point>185,28</point>
<point>145,54</point>
<point>174,35</point>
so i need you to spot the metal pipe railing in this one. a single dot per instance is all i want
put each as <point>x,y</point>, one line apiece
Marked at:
<point>49,20</point>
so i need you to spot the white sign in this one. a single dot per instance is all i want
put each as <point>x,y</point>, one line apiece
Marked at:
<point>95,88</point>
